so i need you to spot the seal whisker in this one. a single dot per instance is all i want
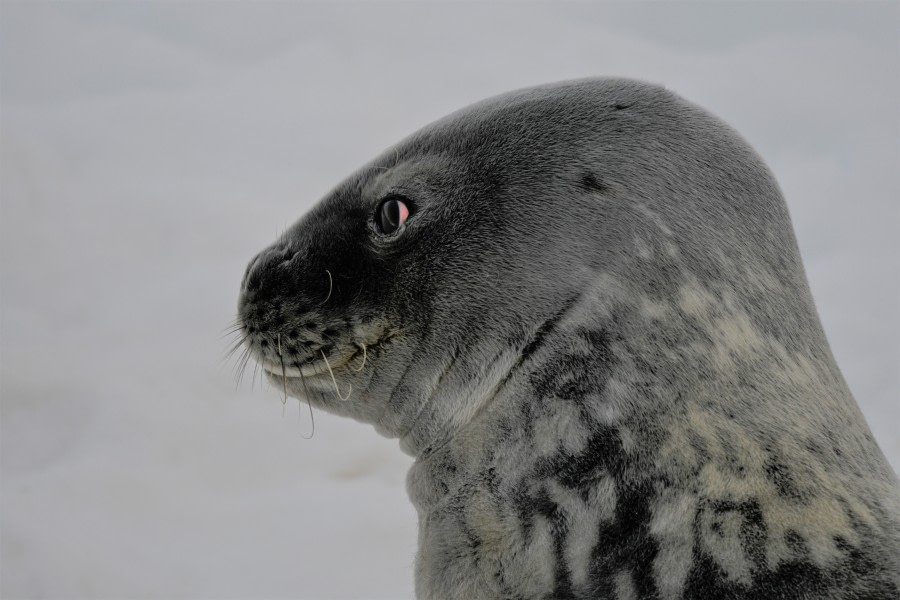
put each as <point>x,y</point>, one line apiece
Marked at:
<point>358,294</point>
<point>234,348</point>
<point>253,381</point>
<point>244,366</point>
<point>231,330</point>
<point>241,366</point>
<point>283,375</point>
<point>330,372</point>
<point>312,419</point>
<point>363,365</point>
<point>239,359</point>
<point>235,323</point>
<point>330,286</point>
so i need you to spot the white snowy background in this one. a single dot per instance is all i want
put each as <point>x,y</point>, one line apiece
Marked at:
<point>149,150</point>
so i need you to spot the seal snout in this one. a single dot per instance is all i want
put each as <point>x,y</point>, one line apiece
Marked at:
<point>273,293</point>
<point>285,311</point>
<point>280,276</point>
<point>269,272</point>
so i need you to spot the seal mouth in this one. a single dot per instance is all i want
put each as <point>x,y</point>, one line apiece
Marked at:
<point>319,367</point>
<point>311,369</point>
<point>354,358</point>
<point>291,372</point>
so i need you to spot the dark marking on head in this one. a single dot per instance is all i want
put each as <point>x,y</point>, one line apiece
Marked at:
<point>593,183</point>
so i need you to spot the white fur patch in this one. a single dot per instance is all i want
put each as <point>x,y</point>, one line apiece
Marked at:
<point>672,526</point>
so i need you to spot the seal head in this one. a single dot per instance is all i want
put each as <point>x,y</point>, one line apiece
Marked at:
<point>581,307</point>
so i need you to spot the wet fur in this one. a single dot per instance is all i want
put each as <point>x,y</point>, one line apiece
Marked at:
<point>596,337</point>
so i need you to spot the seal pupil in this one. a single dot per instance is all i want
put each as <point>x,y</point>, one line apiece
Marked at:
<point>392,213</point>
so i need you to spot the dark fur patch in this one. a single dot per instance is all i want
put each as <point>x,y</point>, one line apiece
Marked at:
<point>783,480</point>
<point>559,530</point>
<point>602,456</point>
<point>574,375</point>
<point>626,544</point>
<point>855,575</point>
<point>593,183</point>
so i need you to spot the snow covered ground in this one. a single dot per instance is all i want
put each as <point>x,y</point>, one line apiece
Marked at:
<point>150,149</point>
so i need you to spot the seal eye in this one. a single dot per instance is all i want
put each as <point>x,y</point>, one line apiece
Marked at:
<point>392,213</point>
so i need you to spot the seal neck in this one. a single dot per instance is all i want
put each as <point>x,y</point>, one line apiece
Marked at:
<point>451,408</point>
<point>472,383</point>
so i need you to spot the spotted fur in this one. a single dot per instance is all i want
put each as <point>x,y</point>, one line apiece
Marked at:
<point>595,336</point>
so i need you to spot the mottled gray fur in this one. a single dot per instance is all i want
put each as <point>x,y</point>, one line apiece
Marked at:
<point>596,337</point>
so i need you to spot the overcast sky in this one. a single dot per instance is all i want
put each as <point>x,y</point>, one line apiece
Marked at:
<point>148,150</point>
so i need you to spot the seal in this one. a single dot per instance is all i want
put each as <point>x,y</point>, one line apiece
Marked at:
<point>582,309</point>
